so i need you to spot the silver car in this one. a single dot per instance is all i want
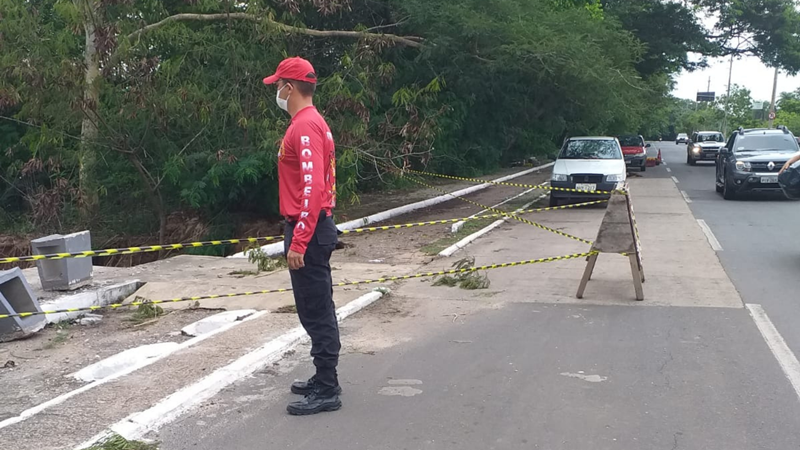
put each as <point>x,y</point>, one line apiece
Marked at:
<point>704,146</point>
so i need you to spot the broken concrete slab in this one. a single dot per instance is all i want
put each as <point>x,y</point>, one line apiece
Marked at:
<point>89,319</point>
<point>209,324</point>
<point>101,296</point>
<point>16,296</point>
<point>122,361</point>
<point>63,274</point>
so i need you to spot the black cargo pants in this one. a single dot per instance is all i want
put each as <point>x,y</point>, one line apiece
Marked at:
<point>313,295</point>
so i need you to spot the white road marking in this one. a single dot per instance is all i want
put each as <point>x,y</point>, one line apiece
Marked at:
<point>675,180</point>
<point>136,425</point>
<point>30,412</point>
<point>669,170</point>
<point>712,240</point>
<point>686,197</point>
<point>787,360</point>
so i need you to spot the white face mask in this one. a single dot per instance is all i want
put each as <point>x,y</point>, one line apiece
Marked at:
<point>283,103</point>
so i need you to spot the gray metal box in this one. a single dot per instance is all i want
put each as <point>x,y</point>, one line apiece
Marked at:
<point>16,296</point>
<point>68,273</point>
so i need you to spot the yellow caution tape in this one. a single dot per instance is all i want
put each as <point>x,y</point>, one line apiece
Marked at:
<point>131,250</point>
<point>466,219</point>
<point>503,213</point>
<point>530,186</point>
<point>275,291</point>
<point>154,248</point>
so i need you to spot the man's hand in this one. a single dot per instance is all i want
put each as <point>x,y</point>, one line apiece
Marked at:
<point>295,260</point>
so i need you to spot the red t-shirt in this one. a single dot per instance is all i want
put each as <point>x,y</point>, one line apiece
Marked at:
<point>306,174</point>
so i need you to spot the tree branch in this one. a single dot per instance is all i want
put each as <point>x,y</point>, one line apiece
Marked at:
<point>408,41</point>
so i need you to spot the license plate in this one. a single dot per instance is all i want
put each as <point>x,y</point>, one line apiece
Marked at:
<point>590,187</point>
<point>769,180</point>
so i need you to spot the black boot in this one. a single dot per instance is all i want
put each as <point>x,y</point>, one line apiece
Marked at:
<point>315,402</point>
<point>306,387</point>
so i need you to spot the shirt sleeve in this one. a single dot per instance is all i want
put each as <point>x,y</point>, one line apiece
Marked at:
<point>310,145</point>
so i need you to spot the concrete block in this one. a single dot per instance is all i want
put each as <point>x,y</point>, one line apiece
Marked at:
<point>63,274</point>
<point>211,323</point>
<point>96,296</point>
<point>16,296</point>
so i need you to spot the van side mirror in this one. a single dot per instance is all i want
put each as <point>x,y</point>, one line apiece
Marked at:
<point>648,146</point>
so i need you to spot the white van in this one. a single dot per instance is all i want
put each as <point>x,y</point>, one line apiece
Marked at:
<point>587,164</point>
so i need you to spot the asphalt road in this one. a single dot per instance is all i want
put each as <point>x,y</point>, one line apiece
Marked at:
<point>760,239</point>
<point>532,377</point>
<point>422,374</point>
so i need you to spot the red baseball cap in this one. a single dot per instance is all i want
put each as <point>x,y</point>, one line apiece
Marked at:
<point>295,68</point>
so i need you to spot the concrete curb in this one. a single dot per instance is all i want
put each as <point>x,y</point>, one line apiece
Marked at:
<point>100,296</point>
<point>136,425</point>
<point>458,225</point>
<point>277,248</point>
<point>30,412</point>
<point>449,251</point>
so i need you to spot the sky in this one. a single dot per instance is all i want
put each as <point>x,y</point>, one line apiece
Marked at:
<point>748,72</point>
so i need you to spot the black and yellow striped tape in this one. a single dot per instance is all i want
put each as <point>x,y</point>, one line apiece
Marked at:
<point>153,248</point>
<point>275,291</point>
<point>502,213</point>
<point>529,186</point>
<point>131,250</point>
<point>466,219</point>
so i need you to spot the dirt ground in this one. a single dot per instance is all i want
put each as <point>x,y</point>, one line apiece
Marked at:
<point>37,369</point>
<point>406,245</point>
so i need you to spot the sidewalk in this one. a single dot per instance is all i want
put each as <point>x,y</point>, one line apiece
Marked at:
<point>524,364</point>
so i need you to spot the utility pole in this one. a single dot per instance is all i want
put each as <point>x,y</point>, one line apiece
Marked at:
<point>727,100</point>
<point>772,103</point>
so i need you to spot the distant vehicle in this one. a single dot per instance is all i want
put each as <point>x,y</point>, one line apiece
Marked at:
<point>682,138</point>
<point>751,160</point>
<point>587,164</point>
<point>634,150</point>
<point>704,145</point>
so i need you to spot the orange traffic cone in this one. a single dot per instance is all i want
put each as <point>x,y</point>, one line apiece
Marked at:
<point>659,157</point>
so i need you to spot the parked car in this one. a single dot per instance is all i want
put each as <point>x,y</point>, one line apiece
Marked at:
<point>634,150</point>
<point>704,145</point>
<point>752,159</point>
<point>587,164</point>
<point>682,138</point>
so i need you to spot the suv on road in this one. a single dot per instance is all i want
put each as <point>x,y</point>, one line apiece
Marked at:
<point>634,150</point>
<point>751,160</point>
<point>704,145</point>
<point>587,164</point>
<point>682,138</point>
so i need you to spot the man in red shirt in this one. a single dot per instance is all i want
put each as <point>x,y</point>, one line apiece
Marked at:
<point>307,190</point>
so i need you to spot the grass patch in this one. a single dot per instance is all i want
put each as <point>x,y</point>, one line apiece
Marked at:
<point>120,443</point>
<point>469,227</point>
<point>264,262</point>
<point>62,334</point>
<point>146,312</point>
<point>243,273</point>
<point>464,280</point>
<point>287,309</point>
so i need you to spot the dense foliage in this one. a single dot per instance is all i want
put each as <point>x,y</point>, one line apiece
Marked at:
<point>120,114</point>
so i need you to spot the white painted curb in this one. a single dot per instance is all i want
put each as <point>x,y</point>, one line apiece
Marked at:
<point>458,225</point>
<point>64,397</point>
<point>277,248</point>
<point>449,251</point>
<point>136,425</point>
